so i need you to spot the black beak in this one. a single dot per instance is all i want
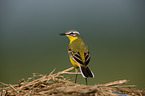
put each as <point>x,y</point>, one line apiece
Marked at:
<point>63,34</point>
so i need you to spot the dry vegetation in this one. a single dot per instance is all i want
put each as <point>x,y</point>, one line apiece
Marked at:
<point>55,84</point>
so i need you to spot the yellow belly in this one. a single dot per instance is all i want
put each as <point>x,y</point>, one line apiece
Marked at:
<point>75,64</point>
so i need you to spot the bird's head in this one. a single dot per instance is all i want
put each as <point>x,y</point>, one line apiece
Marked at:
<point>72,35</point>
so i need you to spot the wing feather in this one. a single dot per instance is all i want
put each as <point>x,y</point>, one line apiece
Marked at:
<point>87,58</point>
<point>77,57</point>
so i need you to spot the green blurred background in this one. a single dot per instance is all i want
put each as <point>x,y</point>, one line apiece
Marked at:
<point>114,30</point>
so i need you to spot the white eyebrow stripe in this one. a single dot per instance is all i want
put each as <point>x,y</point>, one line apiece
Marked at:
<point>73,32</point>
<point>69,32</point>
<point>76,32</point>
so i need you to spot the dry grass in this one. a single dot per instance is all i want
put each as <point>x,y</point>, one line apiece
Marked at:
<point>55,84</point>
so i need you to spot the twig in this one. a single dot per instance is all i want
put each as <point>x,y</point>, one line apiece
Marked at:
<point>67,70</point>
<point>131,91</point>
<point>4,84</point>
<point>72,73</point>
<point>127,86</point>
<point>14,88</point>
<point>114,83</point>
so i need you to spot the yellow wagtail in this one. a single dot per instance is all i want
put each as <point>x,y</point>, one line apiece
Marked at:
<point>79,54</point>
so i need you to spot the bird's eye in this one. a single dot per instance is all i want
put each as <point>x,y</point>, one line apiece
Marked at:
<point>71,33</point>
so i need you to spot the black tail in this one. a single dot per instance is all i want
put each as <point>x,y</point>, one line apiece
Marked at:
<point>86,72</point>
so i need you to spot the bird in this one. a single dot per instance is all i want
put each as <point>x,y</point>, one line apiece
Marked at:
<point>78,54</point>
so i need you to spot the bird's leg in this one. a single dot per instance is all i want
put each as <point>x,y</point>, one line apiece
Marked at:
<point>86,81</point>
<point>76,75</point>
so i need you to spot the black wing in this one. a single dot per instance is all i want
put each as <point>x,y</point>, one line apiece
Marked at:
<point>76,57</point>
